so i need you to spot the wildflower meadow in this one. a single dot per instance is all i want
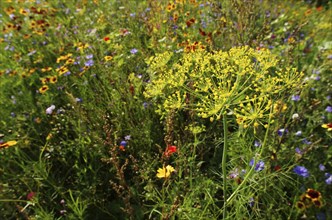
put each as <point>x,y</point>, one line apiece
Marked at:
<point>170,110</point>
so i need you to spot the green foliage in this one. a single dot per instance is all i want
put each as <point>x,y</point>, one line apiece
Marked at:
<point>165,109</point>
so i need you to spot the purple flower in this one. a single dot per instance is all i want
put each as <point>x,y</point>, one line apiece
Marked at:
<point>67,73</point>
<point>321,167</point>
<point>89,63</point>
<point>50,109</point>
<point>328,181</point>
<point>127,137</point>
<point>233,174</point>
<point>301,171</point>
<point>251,202</point>
<point>298,151</point>
<point>328,109</point>
<point>305,141</point>
<point>282,131</point>
<point>259,166</point>
<point>123,143</point>
<point>133,51</point>
<point>295,98</point>
<point>89,56</point>
<point>298,133</point>
<point>257,143</point>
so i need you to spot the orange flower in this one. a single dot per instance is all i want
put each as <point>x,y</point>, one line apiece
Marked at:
<point>169,151</point>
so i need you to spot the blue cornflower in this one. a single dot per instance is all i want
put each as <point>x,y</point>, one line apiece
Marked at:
<point>298,151</point>
<point>301,171</point>
<point>282,131</point>
<point>305,141</point>
<point>259,166</point>
<point>295,98</point>
<point>89,63</point>
<point>328,181</point>
<point>257,143</point>
<point>251,202</point>
<point>89,56</point>
<point>123,143</point>
<point>133,51</point>
<point>328,109</point>
<point>321,167</point>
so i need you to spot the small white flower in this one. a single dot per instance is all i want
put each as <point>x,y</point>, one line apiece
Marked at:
<point>295,116</point>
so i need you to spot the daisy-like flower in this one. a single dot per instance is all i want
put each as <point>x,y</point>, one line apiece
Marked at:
<point>300,205</point>
<point>108,58</point>
<point>327,126</point>
<point>107,39</point>
<point>53,79</point>
<point>313,194</point>
<point>43,89</point>
<point>8,144</point>
<point>165,172</point>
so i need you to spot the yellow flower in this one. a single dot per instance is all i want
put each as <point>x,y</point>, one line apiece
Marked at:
<point>108,58</point>
<point>165,172</point>
<point>43,89</point>
<point>328,126</point>
<point>8,144</point>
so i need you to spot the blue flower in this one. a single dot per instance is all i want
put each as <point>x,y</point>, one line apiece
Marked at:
<point>328,181</point>
<point>259,166</point>
<point>89,63</point>
<point>305,141</point>
<point>257,143</point>
<point>123,143</point>
<point>282,131</point>
<point>133,51</point>
<point>298,151</point>
<point>251,202</point>
<point>295,98</point>
<point>328,109</point>
<point>301,171</point>
<point>321,167</point>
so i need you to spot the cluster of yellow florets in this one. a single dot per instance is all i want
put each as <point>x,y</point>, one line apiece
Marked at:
<point>243,81</point>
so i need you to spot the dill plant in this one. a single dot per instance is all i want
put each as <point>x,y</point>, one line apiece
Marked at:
<point>241,85</point>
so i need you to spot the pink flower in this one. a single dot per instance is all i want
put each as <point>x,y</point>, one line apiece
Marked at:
<point>31,195</point>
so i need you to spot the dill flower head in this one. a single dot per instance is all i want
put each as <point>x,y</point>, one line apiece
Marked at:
<point>242,80</point>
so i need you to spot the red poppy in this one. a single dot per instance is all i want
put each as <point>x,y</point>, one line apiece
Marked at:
<point>170,150</point>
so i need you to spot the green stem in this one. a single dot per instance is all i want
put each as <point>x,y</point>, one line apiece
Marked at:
<point>223,162</point>
<point>248,175</point>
